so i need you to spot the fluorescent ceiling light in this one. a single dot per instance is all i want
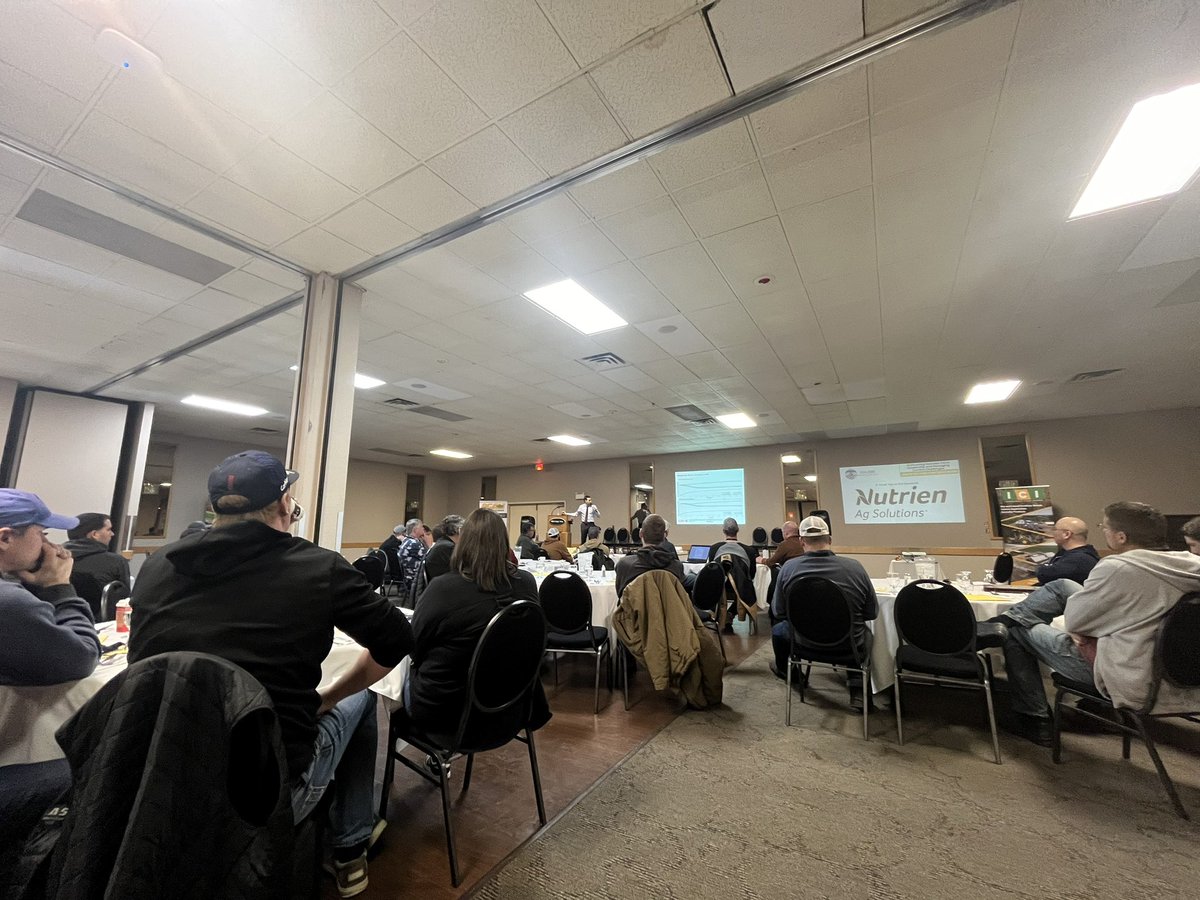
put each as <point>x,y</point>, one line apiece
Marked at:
<point>238,409</point>
<point>450,454</point>
<point>569,439</point>
<point>991,391</point>
<point>366,381</point>
<point>644,487</point>
<point>1156,152</point>
<point>810,477</point>
<point>570,302</point>
<point>737,420</point>
<point>164,484</point>
<point>789,458</point>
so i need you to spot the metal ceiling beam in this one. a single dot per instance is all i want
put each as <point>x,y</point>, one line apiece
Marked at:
<point>771,91</point>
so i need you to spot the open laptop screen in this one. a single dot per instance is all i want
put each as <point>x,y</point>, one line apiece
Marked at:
<point>698,553</point>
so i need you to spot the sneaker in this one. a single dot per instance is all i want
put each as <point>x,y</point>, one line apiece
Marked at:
<point>1032,728</point>
<point>351,876</point>
<point>776,671</point>
<point>376,833</point>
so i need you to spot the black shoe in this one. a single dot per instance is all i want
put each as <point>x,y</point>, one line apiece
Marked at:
<point>1032,728</point>
<point>776,671</point>
<point>1006,621</point>
<point>856,700</point>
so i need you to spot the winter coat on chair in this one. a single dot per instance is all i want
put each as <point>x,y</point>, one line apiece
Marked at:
<point>656,621</point>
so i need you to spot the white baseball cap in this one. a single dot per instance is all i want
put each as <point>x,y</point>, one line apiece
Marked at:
<point>813,526</point>
<point>553,532</point>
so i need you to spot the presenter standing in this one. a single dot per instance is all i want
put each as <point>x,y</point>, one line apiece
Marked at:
<point>588,515</point>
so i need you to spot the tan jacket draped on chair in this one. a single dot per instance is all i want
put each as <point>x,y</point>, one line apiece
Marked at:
<point>656,621</point>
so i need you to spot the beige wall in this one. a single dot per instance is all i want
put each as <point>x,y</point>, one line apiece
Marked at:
<point>8,394</point>
<point>375,494</point>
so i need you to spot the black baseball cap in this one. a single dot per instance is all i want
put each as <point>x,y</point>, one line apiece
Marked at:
<point>253,474</point>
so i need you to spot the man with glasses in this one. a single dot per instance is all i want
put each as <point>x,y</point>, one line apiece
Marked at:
<point>1111,621</point>
<point>254,594</point>
<point>1075,557</point>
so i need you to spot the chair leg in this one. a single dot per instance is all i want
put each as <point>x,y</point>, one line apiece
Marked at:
<point>1167,784</point>
<point>389,772</point>
<point>537,777</point>
<point>1126,739</point>
<point>787,709</point>
<point>467,772</point>
<point>987,692</point>
<point>899,717</point>
<point>1056,736</point>
<point>445,787</point>
<point>721,644</point>
<point>556,656</point>
<point>597,700</point>
<point>622,664</point>
<point>866,674</point>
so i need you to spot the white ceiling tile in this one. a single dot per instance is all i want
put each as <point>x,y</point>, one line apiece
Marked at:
<point>365,225</point>
<point>1173,238</point>
<point>822,168</point>
<point>917,282</point>
<point>699,158</point>
<point>31,109</point>
<point>503,54</point>
<point>726,325</point>
<point>746,254</point>
<point>422,200</point>
<point>339,142</point>
<point>763,38</point>
<point>594,28</point>
<point>486,167</point>
<point>619,190</point>
<point>429,114</point>
<point>522,271</point>
<point>106,147</point>
<point>580,250</point>
<point>929,129</point>
<point>918,212</point>
<point>327,40</point>
<point>833,237</point>
<point>545,219</point>
<point>12,193</point>
<point>288,181</point>
<point>486,244</point>
<point>706,365</point>
<point>734,198</point>
<point>847,291</point>
<point>208,50</point>
<point>405,12</point>
<point>826,105</point>
<point>233,207</point>
<point>679,337</point>
<point>687,277</point>
<point>150,278</point>
<point>250,287</point>
<point>447,274</point>
<point>660,81</point>
<point>565,128</point>
<point>268,271</point>
<point>52,46</point>
<point>628,292</point>
<point>648,228</point>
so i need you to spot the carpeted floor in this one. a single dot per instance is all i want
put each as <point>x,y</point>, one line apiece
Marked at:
<point>729,803</point>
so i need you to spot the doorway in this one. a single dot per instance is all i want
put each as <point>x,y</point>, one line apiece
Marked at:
<point>539,510</point>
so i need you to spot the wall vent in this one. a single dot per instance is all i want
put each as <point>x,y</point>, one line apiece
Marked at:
<point>1093,376</point>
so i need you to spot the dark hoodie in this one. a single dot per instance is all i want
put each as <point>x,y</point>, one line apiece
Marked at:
<point>631,565</point>
<point>266,601</point>
<point>1072,564</point>
<point>95,566</point>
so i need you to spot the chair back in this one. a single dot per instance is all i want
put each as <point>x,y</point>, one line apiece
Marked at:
<point>1002,569</point>
<point>566,602</point>
<point>504,667</point>
<point>610,535</point>
<point>935,617</point>
<point>776,536</point>
<point>373,569</point>
<point>709,588</point>
<point>760,535</point>
<point>622,535</point>
<point>635,536</point>
<point>602,561</point>
<point>819,613</point>
<point>1175,648</point>
<point>110,595</point>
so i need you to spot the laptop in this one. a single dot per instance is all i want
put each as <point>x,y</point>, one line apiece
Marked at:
<point>698,553</point>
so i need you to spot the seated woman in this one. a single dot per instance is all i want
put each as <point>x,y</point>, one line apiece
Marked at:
<point>451,616</point>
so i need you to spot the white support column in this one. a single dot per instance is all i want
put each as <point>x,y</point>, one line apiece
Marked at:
<point>323,407</point>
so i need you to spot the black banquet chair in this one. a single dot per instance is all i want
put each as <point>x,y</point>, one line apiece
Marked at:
<point>373,568</point>
<point>942,644</point>
<point>623,537</point>
<point>708,598</point>
<point>760,536</point>
<point>610,535</point>
<point>822,621</point>
<point>382,556</point>
<point>499,702</point>
<point>776,536</point>
<point>567,603</point>
<point>1002,568</point>
<point>112,594</point>
<point>1176,662</point>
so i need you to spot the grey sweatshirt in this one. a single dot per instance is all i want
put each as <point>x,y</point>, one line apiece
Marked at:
<point>50,637</point>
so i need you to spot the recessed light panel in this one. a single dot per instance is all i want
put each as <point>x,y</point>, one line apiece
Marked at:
<point>570,302</point>
<point>366,382</point>
<point>228,406</point>
<point>1156,152</point>
<point>450,454</point>
<point>789,458</point>
<point>569,439</point>
<point>737,420</point>
<point>810,477</point>
<point>992,391</point>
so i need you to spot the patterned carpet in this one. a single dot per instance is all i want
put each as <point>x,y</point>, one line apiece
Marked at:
<point>729,803</point>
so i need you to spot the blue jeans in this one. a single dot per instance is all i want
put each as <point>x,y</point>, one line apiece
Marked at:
<point>346,739</point>
<point>1032,640</point>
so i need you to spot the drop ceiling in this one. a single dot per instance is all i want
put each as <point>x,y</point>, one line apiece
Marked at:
<point>909,215</point>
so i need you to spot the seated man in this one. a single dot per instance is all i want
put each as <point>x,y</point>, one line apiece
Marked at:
<point>847,574</point>
<point>555,548</point>
<point>252,593</point>
<point>410,553</point>
<point>50,638</point>
<point>1191,535</point>
<point>650,555</point>
<point>789,548</point>
<point>1111,621</point>
<point>95,564</point>
<point>391,544</point>
<point>527,543</point>
<point>1075,557</point>
<point>731,545</point>
<point>593,542</point>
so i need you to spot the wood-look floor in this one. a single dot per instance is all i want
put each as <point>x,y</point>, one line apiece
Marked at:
<point>498,813</point>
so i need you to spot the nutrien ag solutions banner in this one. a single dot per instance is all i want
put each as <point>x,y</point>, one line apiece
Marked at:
<point>911,493</point>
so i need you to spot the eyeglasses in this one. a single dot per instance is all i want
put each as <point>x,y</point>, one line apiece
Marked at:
<point>297,511</point>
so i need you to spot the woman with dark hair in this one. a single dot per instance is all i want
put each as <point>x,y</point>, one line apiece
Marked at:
<point>451,616</point>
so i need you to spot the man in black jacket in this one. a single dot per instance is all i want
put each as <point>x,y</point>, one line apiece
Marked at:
<point>252,593</point>
<point>650,555</point>
<point>1075,557</point>
<point>95,564</point>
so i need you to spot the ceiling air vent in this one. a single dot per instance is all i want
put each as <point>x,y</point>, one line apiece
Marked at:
<point>444,414</point>
<point>603,362</point>
<point>1093,376</point>
<point>258,429</point>
<point>690,413</point>
<point>394,452</point>
<point>400,401</point>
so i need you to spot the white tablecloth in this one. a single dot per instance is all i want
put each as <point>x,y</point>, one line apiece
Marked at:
<point>29,716</point>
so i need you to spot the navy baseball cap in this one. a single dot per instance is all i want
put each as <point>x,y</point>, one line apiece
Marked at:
<point>253,474</point>
<point>19,508</point>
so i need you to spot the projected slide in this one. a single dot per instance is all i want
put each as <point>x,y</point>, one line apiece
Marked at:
<point>709,496</point>
<point>918,493</point>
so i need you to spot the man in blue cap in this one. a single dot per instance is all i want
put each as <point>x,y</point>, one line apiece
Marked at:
<point>49,638</point>
<point>250,592</point>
